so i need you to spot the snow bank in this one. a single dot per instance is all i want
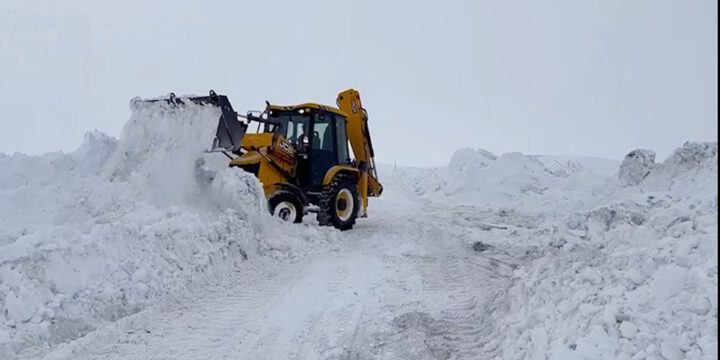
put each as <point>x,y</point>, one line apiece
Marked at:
<point>623,263</point>
<point>633,278</point>
<point>512,180</point>
<point>106,230</point>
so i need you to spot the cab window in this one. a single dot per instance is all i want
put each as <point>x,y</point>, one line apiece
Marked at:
<point>322,138</point>
<point>292,126</point>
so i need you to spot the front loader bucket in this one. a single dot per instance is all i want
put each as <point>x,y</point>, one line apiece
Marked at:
<point>230,130</point>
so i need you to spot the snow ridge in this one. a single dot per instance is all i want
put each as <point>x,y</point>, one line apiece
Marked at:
<point>512,181</point>
<point>633,278</point>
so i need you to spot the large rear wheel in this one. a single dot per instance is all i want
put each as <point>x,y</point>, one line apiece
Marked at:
<point>339,203</point>
<point>286,206</point>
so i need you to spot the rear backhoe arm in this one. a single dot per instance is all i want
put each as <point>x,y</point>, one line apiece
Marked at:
<point>359,136</point>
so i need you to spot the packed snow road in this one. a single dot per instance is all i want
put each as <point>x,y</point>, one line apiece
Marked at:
<point>401,285</point>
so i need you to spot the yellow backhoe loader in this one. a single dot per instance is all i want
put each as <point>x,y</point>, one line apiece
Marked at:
<point>301,156</point>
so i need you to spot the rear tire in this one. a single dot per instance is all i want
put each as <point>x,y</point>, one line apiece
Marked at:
<point>286,206</point>
<point>339,203</point>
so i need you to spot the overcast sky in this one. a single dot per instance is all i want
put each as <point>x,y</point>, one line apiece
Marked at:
<point>594,78</point>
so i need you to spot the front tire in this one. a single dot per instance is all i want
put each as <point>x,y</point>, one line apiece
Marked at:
<point>339,203</point>
<point>286,206</point>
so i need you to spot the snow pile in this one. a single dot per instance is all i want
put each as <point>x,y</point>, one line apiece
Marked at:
<point>636,167</point>
<point>604,167</point>
<point>633,278</point>
<point>102,232</point>
<point>162,162</point>
<point>512,180</point>
<point>619,264</point>
<point>687,173</point>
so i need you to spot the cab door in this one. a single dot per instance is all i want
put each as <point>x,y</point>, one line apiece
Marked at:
<point>328,146</point>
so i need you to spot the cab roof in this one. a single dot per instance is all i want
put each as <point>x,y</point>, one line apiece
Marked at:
<point>307,106</point>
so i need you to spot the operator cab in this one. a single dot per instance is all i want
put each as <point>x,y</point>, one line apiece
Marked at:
<point>319,135</point>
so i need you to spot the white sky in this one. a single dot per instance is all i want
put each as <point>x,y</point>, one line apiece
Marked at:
<point>595,78</point>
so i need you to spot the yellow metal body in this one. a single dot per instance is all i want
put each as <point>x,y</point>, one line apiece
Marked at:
<point>268,174</point>
<point>274,157</point>
<point>354,172</point>
<point>257,141</point>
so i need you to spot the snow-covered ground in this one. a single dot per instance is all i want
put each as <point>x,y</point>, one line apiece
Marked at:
<point>132,248</point>
<point>94,235</point>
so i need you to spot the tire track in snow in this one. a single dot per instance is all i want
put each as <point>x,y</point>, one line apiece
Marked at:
<point>397,288</point>
<point>450,310</point>
<point>474,297</point>
<point>210,324</point>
